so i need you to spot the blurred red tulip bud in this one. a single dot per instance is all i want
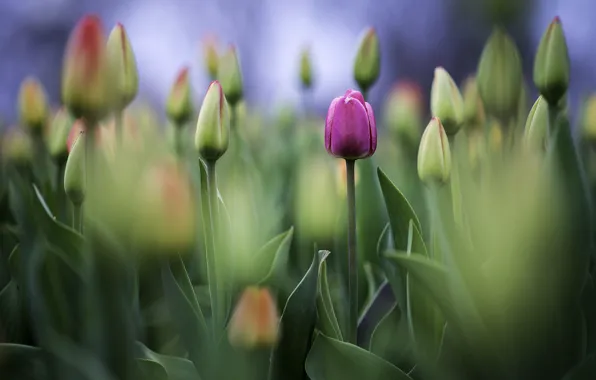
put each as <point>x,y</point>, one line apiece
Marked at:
<point>211,55</point>
<point>123,67</point>
<point>33,106</point>
<point>179,104</point>
<point>255,322</point>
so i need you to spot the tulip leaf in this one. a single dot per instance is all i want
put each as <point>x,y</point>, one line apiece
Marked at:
<point>186,315</point>
<point>586,370</point>
<point>326,313</point>
<point>331,359</point>
<point>373,313</point>
<point>391,340</point>
<point>12,313</point>
<point>272,259</point>
<point>175,367</point>
<point>297,322</point>
<point>21,362</point>
<point>589,312</point>
<point>151,370</point>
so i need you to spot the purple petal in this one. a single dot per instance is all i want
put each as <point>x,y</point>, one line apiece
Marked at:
<point>351,132</point>
<point>329,122</point>
<point>355,94</point>
<point>372,123</point>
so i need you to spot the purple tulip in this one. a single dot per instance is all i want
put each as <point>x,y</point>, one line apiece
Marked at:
<point>350,128</point>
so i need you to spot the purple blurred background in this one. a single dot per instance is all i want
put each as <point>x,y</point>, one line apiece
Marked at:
<point>416,36</point>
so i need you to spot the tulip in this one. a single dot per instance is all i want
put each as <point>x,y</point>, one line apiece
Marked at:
<point>59,134</point>
<point>367,63</point>
<point>123,67</point>
<point>255,322</point>
<point>33,105</point>
<point>211,56</point>
<point>17,147</point>
<point>85,72</point>
<point>350,127</point>
<point>434,155</point>
<point>500,75</point>
<point>213,126</point>
<point>74,173</point>
<point>403,113</point>
<point>446,102</point>
<point>306,77</point>
<point>536,129</point>
<point>551,64</point>
<point>473,108</point>
<point>230,76</point>
<point>179,104</point>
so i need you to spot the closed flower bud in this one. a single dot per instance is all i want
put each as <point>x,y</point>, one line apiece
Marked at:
<point>588,119</point>
<point>33,105</point>
<point>536,129</point>
<point>213,126</point>
<point>499,75</point>
<point>179,104</point>
<point>551,64</point>
<point>74,173</point>
<point>446,101</point>
<point>58,135</point>
<point>473,108</point>
<point>17,147</point>
<point>211,56</point>
<point>350,127</point>
<point>123,67</point>
<point>306,75</point>
<point>230,76</point>
<point>367,64</point>
<point>85,73</point>
<point>434,155</point>
<point>403,113</point>
<point>255,322</point>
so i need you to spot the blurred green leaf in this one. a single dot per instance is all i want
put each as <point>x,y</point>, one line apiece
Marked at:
<point>586,370</point>
<point>270,263</point>
<point>326,313</point>
<point>391,340</point>
<point>151,370</point>
<point>297,324</point>
<point>589,312</point>
<point>13,326</point>
<point>332,359</point>
<point>175,367</point>
<point>373,313</point>
<point>21,362</point>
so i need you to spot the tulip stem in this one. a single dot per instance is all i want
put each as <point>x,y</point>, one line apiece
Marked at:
<point>352,258</point>
<point>119,125</point>
<point>76,217</point>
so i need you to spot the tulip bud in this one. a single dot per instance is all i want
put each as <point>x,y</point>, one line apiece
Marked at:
<point>123,67</point>
<point>473,107</point>
<point>74,173</point>
<point>213,127</point>
<point>551,65</point>
<point>446,101</point>
<point>85,72</point>
<point>230,76</point>
<point>367,64</point>
<point>350,127</point>
<point>211,56</point>
<point>403,113</point>
<point>434,154</point>
<point>179,105</point>
<point>495,136</point>
<point>17,147</point>
<point>500,75</point>
<point>536,129</point>
<point>305,69</point>
<point>59,134</point>
<point>255,322</point>
<point>588,119</point>
<point>33,105</point>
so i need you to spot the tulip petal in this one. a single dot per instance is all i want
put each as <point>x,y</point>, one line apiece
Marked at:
<point>329,122</point>
<point>355,94</point>
<point>350,128</point>
<point>372,125</point>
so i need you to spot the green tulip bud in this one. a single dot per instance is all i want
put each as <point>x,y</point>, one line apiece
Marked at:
<point>499,75</point>
<point>306,69</point>
<point>17,147</point>
<point>446,102</point>
<point>213,126</point>
<point>179,105</point>
<point>33,106</point>
<point>230,76</point>
<point>74,173</point>
<point>551,65</point>
<point>588,119</point>
<point>473,107</point>
<point>367,64</point>
<point>58,135</point>
<point>403,113</point>
<point>536,129</point>
<point>123,66</point>
<point>434,154</point>
<point>210,56</point>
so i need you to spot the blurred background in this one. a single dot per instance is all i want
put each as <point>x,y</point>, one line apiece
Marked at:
<point>416,36</point>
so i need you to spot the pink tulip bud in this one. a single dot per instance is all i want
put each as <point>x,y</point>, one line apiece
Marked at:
<point>350,128</point>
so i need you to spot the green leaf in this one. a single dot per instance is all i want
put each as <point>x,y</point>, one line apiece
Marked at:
<point>373,313</point>
<point>271,261</point>
<point>150,370</point>
<point>187,318</point>
<point>13,326</point>
<point>586,370</point>
<point>21,362</point>
<point>589,312</point>
<point>297,324</point>
<point>332,359</point>
<point>175,367</point>
<point>391,340</point>
<point>329,324</point>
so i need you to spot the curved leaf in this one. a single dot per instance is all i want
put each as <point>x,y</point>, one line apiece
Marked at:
<point>151,370</point>
<point>586,370</point>
<point>272,259</point>
<point>329,324</point>
<point>382,302</point>
<point>20,362</point>
<point>175,367</point>
<point>332,359</point>
<point>391,341</point>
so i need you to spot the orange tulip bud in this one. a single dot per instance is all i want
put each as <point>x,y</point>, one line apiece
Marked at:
<point>255,322</point>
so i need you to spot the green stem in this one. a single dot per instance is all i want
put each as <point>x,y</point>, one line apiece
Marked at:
<point>90,128</point>
<point>119,120</point>
<point>352,257</point>
<point>77,212</point>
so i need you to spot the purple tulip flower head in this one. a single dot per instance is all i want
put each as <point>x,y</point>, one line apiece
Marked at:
<point>350,128</point>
